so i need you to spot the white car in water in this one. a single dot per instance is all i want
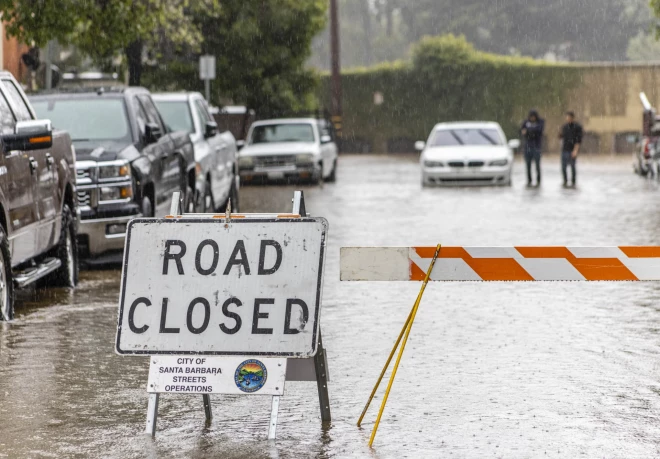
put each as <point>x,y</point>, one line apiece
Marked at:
<point>466,153</point>
<point>293,148</point>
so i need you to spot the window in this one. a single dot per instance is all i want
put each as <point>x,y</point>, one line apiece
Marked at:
<point>150,109</point>
<point>140,116</point>
<point>176,115</point>
<point>289,132</point>
<point>20,107</point>
<point>203,113</point>
<point>87,119</point>
<point>470,136</point>
<point>7,120</point>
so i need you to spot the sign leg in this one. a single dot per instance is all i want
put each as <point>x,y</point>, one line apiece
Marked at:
<point>152,414</point>
<point>273,417</point>
<point>207,407</point>
<point>321,367</point>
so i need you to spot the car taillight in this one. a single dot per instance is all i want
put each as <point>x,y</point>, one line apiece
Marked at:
<point>647,148</point>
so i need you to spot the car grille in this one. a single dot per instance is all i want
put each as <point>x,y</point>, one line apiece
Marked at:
<point>84,197</point>
<point>83,173</point>
<point>275,161</point>
<point>475,163</point>
<point>456,164</point>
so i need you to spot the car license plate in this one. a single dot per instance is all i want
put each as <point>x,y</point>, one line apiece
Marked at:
<point>275,175</point>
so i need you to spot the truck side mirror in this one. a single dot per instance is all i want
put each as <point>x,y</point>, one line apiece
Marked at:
<point>419,145</point>
<point>29,135</point>
<point>240,144</point>
<point>152,132</point>
<point>326,139</point>
<point>514,144</point>
<point>210,129</point>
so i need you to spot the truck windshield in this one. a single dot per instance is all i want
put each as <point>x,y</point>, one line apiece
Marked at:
<point>289,132</point>
<point>452,137</point>
<point>87,119</point>
<point>176,115</point>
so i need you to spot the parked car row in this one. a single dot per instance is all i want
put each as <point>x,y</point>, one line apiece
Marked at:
<point>68,194</point>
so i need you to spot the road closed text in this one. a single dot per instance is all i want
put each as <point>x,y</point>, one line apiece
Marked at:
<point>215,290</point>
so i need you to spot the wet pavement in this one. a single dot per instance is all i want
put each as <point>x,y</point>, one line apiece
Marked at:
<point>491,369</point>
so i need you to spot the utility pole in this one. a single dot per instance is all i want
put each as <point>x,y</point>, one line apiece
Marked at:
<point>336,93</point>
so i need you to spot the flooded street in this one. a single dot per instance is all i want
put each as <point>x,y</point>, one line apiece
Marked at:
<point>491,369</point>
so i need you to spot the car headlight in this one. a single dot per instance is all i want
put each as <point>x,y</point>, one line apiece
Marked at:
<point>115,193</point>
<point>245,161</point>
<point>114,170</point>
<point>304,158</point>
<point>434,164</point>
<point>499,162</point>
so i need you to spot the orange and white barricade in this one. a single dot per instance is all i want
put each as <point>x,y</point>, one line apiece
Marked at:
<point>515,263</point>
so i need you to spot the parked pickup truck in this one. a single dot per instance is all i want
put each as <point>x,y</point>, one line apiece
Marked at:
<point>38,205</point>
<point>128,162</point>
<point>292,148</point>
<point>215,152</point>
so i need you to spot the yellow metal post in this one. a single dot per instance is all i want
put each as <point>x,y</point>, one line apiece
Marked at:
<point>403,345</point>
<point>387,364</point>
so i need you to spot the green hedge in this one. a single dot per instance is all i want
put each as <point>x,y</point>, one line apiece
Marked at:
<point>447,80</point>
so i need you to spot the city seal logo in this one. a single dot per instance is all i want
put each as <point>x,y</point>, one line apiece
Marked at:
<point>250,376</point>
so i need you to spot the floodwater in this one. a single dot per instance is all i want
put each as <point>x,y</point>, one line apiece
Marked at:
<point>491,369</point>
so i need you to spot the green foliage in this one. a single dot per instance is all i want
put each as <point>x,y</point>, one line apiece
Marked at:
<point>376,30</point>
<point>260,50</point>
<point>447,80</point>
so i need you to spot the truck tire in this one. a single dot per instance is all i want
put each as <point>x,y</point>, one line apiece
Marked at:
<point>67,252</point>
<point>6,280</point>
<point>233,195</point>
<point>189,206</point>
<point>207,205</point>
<point>147,207</point>
<point>332,178</point>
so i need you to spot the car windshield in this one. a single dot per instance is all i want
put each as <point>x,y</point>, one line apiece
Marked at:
<point>470,136</point>
<point>289,132</point>
<point>87,119</point>
<point>176,115</point>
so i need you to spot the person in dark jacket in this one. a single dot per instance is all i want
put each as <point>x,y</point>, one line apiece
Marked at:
<point>531,131</point>
<point>571,135</point>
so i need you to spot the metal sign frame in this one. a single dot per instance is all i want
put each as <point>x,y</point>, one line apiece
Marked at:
<point>298,369</point>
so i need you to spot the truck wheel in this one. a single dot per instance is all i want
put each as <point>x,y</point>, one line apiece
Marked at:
<point>147,207</point>
<point>207,201</point>
<point>333,175</point>
<point>67,252</point>
<point>189,201</point>
<point>233,195</point>
<point>6,281</point>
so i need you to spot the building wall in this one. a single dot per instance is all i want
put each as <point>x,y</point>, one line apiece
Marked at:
<point>10,58</point>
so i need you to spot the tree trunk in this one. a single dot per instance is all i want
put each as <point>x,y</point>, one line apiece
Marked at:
<point>134,58</point>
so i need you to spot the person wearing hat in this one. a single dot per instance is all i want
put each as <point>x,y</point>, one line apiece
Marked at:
<point>531,131</point>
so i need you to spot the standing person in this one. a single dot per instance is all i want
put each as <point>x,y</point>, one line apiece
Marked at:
<point>532,131</point>
<point>571,135</point>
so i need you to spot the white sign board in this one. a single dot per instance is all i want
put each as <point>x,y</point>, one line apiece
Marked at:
<point>207,67</point>
<point>216,375</point>
<point>205,287</point>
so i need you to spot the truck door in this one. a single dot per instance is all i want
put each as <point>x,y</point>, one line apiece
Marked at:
<point>169,166</point>
<point>44,170</point>
<point>222,163</point>
<point>17,183</point>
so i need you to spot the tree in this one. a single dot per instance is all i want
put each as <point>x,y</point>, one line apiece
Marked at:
<point>260,48</point>
<point>101,28</point>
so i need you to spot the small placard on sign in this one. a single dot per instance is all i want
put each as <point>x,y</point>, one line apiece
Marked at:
<point>216,375</point>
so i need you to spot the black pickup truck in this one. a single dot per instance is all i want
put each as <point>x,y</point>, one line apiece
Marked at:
<point>38,205</point>
<point>128,162</point>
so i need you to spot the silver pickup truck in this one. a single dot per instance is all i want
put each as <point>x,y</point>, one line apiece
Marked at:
<point>215,152</point>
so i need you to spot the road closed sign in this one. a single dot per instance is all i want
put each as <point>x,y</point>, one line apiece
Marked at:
<point>249,287</point>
